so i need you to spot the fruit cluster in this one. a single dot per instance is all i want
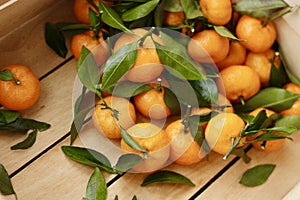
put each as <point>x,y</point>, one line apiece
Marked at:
<point>169,97</point>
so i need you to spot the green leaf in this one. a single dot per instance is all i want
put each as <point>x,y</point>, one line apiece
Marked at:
<point>131,142</point>
<point>276,99</point>
<point>8,116</point>
<point>6,75</point>
<point>127,161</point>
<point>191,9</point>
<point>291,120</point>
<point>72,28</point>
<point>173,6</point>
<point>134,198</point>
<point>139,11</point>
<point>23,125</point>
<point>118,65</point>
<point>207,89</point>
<point>259,8</point>
<point>257,175</point>
<point>257,121</point>
<point>96,188</point>
<point>278,76</point>
<point>171,101</point>
<point>88,157</point>
<point>283,129</point>
<point>293,78</point>
<point>177,64</point>
<point>94,18</point>
<point>28,142</point>
<point>78,122</point>
<point>223,31</point>
<point>55,39</point>
<point>129,89</point>
<point>182,90</point>
<point>110,17</point>
<point>6,187</point>
<point>159,14</point>
<point>87,70</point>
<point>164,176</point>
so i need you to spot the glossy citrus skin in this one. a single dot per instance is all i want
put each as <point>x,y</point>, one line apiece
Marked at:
<point>217,12</point>
<point>151,104</point>
<point>148,65</point>
<point>174,18</point>
<point>258,38</point>
<point>154,140</point>
<point>81,9</point>
<point>240,81</point>
<point>184,150</point>
<point>268,146</point>
<point>295,109</point>
<point>261,63</point>
<point>236,56</point>
<point>221,129</point>
<point>104,121</point>
<point>23,95</point>
<point>208,46</point>
<point>98,47</point>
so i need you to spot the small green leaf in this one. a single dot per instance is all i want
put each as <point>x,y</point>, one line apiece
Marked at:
<point>177,64</point>
<point>290,75</point>
<point>94,18</point>
<point>134,198</point>
<point>223,31</point>
<point>96,188</point>
<point>8,116</point>
<point>6,75</point>
<point>171,101</point>
<point>72,28</point>
<point>118,65</point>
<point>276,99</point>
<point>257,175</point>
<point>88,157</point>
<point>87,70</point>
<point>140,11</point>
<point>164,176</point>
<point>131,142</point>
<point>6,187</point>
<point>159,14</point>
<point>55,39</point>
<point>110,17</point>
<point>127,161</point>
<point>129,89</point>
<point>28,142</point>
<point>291,120</point>
<point>191,9</point>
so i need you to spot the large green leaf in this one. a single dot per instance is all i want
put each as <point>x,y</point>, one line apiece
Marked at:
<point>257,175</point>
<point>207,89</point>
<point>259,8</point>
<point>127,161</point>
<point>96,188</point>
<point>88,157</point>
<point>23,125</point>
<point>177,64</point>
<point>130,89</point>
<point>276,99</point>
<point>55,39</point>
<point>118,65</point>
<point>140,11</point>
<point>291,120</point>
<point>8,116</point>
<point>110,17</point>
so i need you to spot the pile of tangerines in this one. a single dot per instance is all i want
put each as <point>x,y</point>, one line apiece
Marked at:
<point>245,66</point>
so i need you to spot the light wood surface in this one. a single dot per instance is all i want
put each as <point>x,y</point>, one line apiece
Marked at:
<point>44,172</point>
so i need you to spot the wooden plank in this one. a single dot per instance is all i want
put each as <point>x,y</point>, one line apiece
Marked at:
<point>283,178</point>
<point>54,176</point>
<point>25,43</point>
<point>199,174</point>
<point>54,107</point>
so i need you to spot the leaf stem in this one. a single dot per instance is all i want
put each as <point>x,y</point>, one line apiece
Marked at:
<point>280,14</point>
